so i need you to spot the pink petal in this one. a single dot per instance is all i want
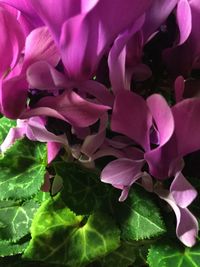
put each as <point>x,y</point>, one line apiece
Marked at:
<point>186,224</point>
<point>93,142</point>
<point>164,121</point>
<point>184,20</point>
<point>53,149</point>
<point>13,135</point>
<point>182,191</point>
<point>179,86</point>
<point>122,172</point>
<point>187,126</point>
<point>131,117</point>
<point>43,76</point>
<point>13,96</point>
<point>40,46</point>
<point>117,58</point>
<point>11,41</point>
<point>76,110</point>
<point>162,115</point>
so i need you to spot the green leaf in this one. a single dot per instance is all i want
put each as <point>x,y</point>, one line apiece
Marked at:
<point>5,125</point>
<point>42,196</point>
<point>83,191</point>
<point>22,170</point>
<point>139,216</point>
<point>16,219</point>
<point>169,254</point>
<point>124,256</point>
<point>61,237</point>
<point>8,248</point>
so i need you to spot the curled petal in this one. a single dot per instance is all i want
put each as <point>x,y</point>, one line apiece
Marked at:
<point>117,58</point>
<point>43,76</point>
<point>186,224</point>
<point>182,191</point>
<point>93,142</point>
<point>122,173</point>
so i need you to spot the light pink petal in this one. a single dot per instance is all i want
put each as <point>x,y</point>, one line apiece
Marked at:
<point>13,135</point>
<point>122,172</point>
<point>184,20</point>
<point>186,224</point>
<point>93,142</point>
<point>36,131</point>
<point>131,116</point>
<point>182,191</point>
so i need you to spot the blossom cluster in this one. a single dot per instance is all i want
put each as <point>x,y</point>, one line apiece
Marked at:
<point>92,77</point>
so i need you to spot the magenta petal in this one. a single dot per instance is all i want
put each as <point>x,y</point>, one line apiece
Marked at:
<point>11,41</point>
<point>26,8</point>
<point>97,90</point>
<point>76,110</point>
<point>122,172</point>
<point>54,20</point>
<point>14,96</point>
<point>132,117</point>
<point>42,111</point>
<point>43,76</point>
<point>182,191</point>
<point>95,31</point>
<point>164,122</point>
<point>184,20</point>
<point>187,126</point>
<point>117,58</point>
<point>162,117</point>
<point>53,149</point>
<point>179,86</point>
<point>40,46</point>
<point>156,15</point>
